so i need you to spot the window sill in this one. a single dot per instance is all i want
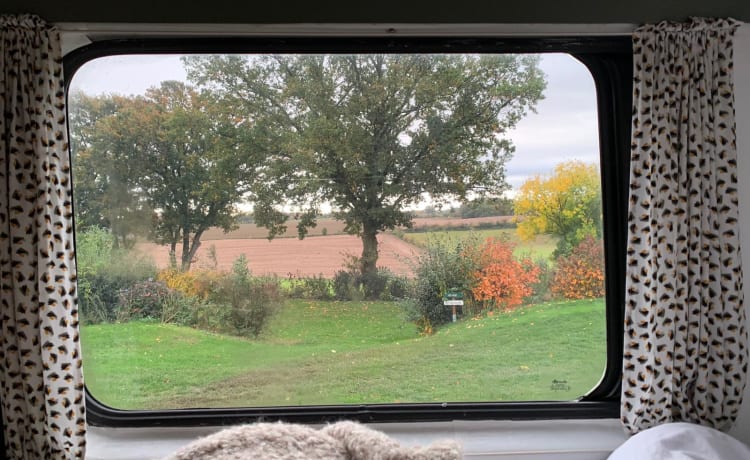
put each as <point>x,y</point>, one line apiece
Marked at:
<point>506,440</point>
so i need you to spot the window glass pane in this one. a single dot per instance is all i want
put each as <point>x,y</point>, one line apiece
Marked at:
<point>283,230</point>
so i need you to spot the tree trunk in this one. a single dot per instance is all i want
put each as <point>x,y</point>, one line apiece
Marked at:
<point>173,254</point>
<point>196,244</point>
<point>186,253</point>
<point>369,260</point>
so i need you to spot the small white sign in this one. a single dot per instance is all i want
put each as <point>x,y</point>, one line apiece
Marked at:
<point>453,302</point>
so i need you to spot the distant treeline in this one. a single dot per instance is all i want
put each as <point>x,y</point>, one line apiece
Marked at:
<point>486,207</point>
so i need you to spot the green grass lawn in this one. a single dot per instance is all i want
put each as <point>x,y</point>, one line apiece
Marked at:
<point>350,352</point>
<point>540,247</point>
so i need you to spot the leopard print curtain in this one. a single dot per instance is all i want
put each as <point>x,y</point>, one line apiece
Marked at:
<point>685,349</point>
<point>41,383</point>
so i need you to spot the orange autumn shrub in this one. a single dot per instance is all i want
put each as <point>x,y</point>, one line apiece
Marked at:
<point>580,275</point>
<point>503,279</point>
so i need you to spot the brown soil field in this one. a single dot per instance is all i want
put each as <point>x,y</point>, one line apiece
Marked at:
<point>286,257</point>
<point>335,227</point>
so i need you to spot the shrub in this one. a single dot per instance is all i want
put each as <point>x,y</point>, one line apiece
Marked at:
<point>443,265</point>
<point>318,287</point>
<point>540,290</point>
<point>92,307</point>
<point>206,315</point>
<point>373,283</point>
<point>144,299</point>
<point>251,302</point>
<point>343,284</point>
<point>97,298</point>
<point>94,249</point>
<point>580,275</point>
<point>178,309</point>
<point>396,287</point>
<point>103,272</point>
<point>497,224</point>
<point>350,284</point>
<point>233,302</point>
<point>250,315</point>
<point>502,279</point>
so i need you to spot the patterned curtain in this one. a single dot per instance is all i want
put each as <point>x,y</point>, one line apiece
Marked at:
<point>41,384</point>
<point>685,349</point>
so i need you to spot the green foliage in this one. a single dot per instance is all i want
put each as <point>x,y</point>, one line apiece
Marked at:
<point>121,287</point>
<point>207,315</point>
<point>252,305</point>
<point>97,298</point>
<point>444,264</point>
<point>103,272</point>
<point>540,290</point>
<point>315,287</point>
<point>175,150</point>
<point>240,269</point>
<point>93,249</point>
<point>103,177</point>
<point>344,285</point>
<point>334,129</point>
<point>396,287</point>
<point>234,302</point>
<point>251,302</point>
<point>352,284</point>
<point>319,287</point>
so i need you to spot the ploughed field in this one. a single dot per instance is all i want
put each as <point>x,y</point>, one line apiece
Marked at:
<point>325,250</point>
<point>292,257</point>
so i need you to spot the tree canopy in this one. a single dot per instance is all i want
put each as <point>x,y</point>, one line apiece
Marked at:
<point>372,134</point>
<point>104,177</point>
<point>173,154</point>
<point>568,204</point>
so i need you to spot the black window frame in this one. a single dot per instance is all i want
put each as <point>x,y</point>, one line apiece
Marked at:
<point>608,58</point>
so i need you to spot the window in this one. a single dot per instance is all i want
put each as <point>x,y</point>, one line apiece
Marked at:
<point>457,208</point>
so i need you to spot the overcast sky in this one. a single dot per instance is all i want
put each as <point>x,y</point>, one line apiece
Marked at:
<point>564,127</point>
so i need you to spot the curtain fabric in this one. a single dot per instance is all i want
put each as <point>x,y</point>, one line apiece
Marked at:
<point>41,384</point>
<point>685,345</point>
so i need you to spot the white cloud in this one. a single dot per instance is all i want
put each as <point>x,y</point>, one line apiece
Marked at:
<point>565,126</point>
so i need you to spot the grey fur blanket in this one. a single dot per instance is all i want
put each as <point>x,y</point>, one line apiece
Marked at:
<point>279,441</point>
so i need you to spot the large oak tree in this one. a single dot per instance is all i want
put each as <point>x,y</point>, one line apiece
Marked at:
<point>373,134</point>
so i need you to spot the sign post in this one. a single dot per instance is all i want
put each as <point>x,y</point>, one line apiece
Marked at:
<point>453,298</point>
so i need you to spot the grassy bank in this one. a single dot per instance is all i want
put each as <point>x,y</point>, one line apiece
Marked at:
<point>350,352</point>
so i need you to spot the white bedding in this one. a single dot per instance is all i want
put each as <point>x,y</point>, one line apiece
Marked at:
<point>681,441</point>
